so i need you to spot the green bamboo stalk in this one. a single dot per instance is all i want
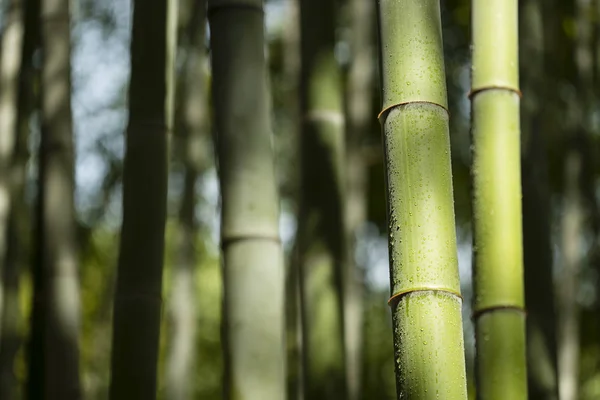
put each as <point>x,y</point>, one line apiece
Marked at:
<point>55,317</point>
<point>253,273</point>
<point>138,302</point>
<point>426,301</point>
<point>537,247</point>
<point>321,241</point>
<point>191,149</point>
<point>574,214</point>
<point>359,120</point>
<point>498,252</point>
<point>571,227</point>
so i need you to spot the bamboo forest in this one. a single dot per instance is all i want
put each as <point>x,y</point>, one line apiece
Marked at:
<point>299,199</point>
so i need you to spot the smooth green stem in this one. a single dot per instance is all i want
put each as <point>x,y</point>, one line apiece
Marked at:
<point>426,304</point>
<point>497,200</point>
<point>498,250</point>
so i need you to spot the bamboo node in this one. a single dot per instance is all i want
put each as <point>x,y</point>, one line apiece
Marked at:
<point>330,116</point>
<point>502,307</point>
<point>240,238</point>
<point>473,92</point>
<point>391,106</point>
<point>395,298</point>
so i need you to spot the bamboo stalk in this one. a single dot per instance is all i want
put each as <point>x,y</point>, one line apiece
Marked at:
<point>426,301</point>
<point>191,147</point>
<point>537,247</point>
<point>321,246</point>
<point>253,272</point>
<point>498,270</point>
<point>359,119</point>
<point>56,283</point>
<point>138,297</point>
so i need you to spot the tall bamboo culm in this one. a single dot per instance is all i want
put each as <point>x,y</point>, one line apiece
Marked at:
<point>190,139</point>
<point>541,346</point>
<point>359,119</point>
<point>253,271</point>
<point>138,296</point>
<point>426,300</point>
<point>321,245</point>
<point>498,309</point>
<point>55,314</point>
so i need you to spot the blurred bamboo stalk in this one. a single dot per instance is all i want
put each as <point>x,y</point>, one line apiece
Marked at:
<point>138,295</point>
<point>574,211</point>
<point>191,149</point>
<point>568,332</point>
<point>55,317</point>
<point>537,247</point>
<point>253,269</point>
<point>359,118</point>
<point>321,244</point>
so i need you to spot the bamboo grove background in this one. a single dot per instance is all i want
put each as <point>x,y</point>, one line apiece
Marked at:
<point>70,89</point>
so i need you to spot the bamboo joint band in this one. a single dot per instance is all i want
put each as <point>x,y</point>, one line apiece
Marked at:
<point>395,298</point>
<point>485,310</point>
<point>329,116</point>
<point>235,6</point>
<point>389,108</point>
<point>474,91</point>
<point>240,238</point>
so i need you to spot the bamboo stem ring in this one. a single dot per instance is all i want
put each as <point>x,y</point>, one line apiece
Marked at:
<point>393,300</point>
<point>476,314</point>
<point>391,106</point>
<point>474,91</point>
<point>241,238</point>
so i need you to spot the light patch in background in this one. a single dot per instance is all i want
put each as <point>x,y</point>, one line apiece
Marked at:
<point>275,15</point>
<point>209,212</point>
<point>100,72</point>
<point>288,226</point>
